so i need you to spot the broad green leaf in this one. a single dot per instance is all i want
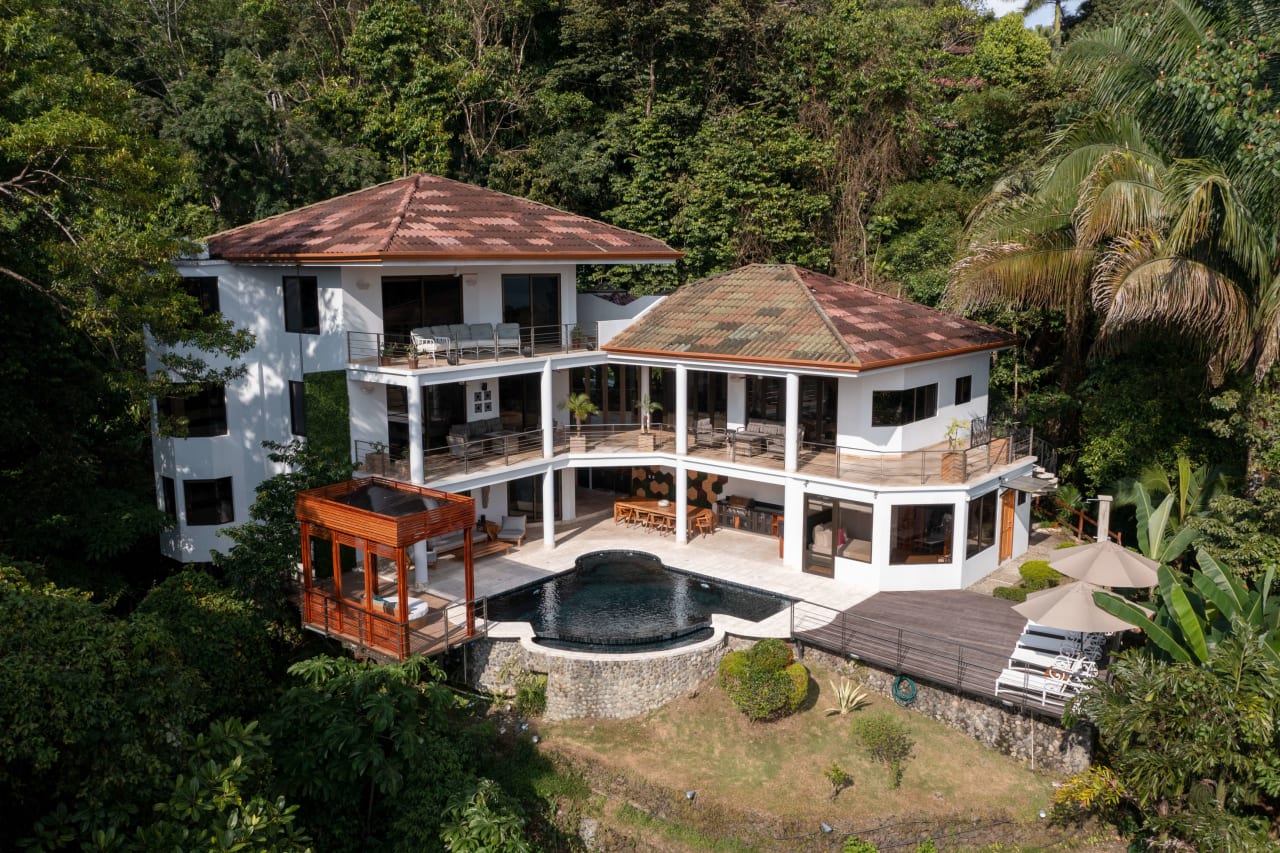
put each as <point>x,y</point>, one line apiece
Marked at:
<point>1135,616</point>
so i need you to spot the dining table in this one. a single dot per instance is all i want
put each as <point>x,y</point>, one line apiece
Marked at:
<point>655,514</point>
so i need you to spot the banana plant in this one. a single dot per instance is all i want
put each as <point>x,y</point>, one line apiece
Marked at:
<point>1163,533</point>
<point>1193,618</point>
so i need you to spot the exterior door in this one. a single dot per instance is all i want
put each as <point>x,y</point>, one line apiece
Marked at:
<point>1006,524</point>
<point>819,548</point>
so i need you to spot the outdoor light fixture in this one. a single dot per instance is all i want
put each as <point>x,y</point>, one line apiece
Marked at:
<point>689,795</point>
<point>826,828</point>
<point>1043,814</point>
<point>534,738</point>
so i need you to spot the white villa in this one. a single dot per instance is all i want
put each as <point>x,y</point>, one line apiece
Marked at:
<point>847,425</point>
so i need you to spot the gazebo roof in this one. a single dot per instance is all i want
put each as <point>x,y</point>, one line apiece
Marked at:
<point>385,511</point>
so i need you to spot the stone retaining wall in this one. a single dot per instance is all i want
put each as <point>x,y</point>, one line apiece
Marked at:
<point>609,686</point>
<point>1029,738</point>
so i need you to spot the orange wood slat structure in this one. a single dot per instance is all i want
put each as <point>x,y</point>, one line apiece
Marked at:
<point>381,519</point>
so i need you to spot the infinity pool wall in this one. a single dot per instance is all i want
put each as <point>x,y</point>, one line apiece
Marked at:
<point>611,686</point>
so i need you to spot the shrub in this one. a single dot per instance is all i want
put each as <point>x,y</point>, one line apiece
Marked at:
<point>1037,575</point>
<point>760,684</point>
<point>850,696</point>
<point>856,845</point>
<point>770,655</point>
<point>798,675</point>
<point>838,778</point>
<point>1011,593</point>
<point>887,742</point>
<point>531,694</point>
<point>733,667</point>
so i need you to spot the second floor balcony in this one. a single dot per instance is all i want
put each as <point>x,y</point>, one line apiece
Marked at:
<point>940,465</point>
<point>466,344</point>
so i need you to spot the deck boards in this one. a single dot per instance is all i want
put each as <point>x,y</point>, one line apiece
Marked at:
<point>956,639</point>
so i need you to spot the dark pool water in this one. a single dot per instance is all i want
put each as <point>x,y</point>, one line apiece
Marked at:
<point>627,601</point>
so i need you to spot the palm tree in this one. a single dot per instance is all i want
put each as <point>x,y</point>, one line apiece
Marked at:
<point>1167,222</point>
<point>1033,6</point>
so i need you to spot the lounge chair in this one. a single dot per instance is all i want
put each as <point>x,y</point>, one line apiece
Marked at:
<point>513,529</point>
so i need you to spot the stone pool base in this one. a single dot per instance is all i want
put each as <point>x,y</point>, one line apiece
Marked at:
<point>612,686</point>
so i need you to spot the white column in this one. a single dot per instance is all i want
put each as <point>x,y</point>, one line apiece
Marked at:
<point>417,464</point>
<point>682,410</point>
<point>549,509</point>
<point>681,488</point>
<point>548,414</point>
<point>792,447</point>
<point>568,494</point>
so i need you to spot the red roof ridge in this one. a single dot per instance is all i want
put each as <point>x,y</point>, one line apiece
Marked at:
<point>393,227</point>
<point>798,273</point>
<point>294,210</point>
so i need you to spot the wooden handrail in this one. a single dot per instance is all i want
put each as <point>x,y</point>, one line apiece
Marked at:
<point>1080,519</point>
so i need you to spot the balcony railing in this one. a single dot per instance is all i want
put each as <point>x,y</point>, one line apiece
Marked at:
<point>440,630</point>
<point>934,466</point>
<point>482,342</point>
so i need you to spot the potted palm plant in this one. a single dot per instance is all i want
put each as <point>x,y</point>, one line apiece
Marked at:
<point>580,407</point>
<point>646,408</point>
<point>953,458</point>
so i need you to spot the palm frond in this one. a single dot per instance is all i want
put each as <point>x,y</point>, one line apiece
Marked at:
<point>1052,275</point>
<point>1122,194</point>
<point>1138,284</point>
<point>1212,211</point>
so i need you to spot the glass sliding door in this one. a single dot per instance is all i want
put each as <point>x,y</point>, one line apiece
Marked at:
<point>818,408</point>
<point>412,301</point>
<point>533,301</point>
<point>818,538</point>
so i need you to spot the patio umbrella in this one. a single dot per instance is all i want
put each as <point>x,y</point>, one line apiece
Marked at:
<point>1107,564</point>
<point>1070,607</point>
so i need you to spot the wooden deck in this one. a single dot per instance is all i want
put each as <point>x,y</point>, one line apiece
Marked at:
<point>955,639</point>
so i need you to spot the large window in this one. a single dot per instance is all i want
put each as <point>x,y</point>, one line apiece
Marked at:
<point>204,289</point>
<point>197,414</point>
<point>301,304</point>
<point>836,528</point>
<point>964,389</point>
<point>896,408</point>
<point>981,534</point>
<point>208,501</point>
<point>921,533</point>
<point>767,398</point>
<point>298,407</point>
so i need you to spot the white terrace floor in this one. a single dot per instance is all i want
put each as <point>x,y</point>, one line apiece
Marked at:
<point>730,555</point>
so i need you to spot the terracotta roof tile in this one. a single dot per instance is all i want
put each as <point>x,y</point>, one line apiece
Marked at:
<point>782,313</point>
<point>425,217</point>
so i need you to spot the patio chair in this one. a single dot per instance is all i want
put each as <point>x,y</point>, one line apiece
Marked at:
<point>508,338</point>
<point>424,343</point>
<point>706,434</point>
<point>512,530</point>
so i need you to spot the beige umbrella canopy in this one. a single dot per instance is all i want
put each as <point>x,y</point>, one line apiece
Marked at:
<point>1070,607</point>
<point>1107,564</point>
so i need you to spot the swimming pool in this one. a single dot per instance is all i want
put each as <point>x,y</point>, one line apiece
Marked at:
<point>628,601</point>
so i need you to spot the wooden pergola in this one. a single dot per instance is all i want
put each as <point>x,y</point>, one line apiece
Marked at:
<point>353,533</point>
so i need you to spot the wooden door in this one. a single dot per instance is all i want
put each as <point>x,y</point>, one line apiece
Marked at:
<point>1006,524</point>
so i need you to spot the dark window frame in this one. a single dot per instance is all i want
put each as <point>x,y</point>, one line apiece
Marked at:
<point>215,507</point>
<point>204,412</point>
<point>893,408</point>
<point>204,290</point>
<point>298,407</point>
<point>980,532</point>
<point>169,496</point>
<point>964,389</point>
<point>301,304</point>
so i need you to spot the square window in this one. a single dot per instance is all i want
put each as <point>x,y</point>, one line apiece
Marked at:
<point>298,407</point>
<point>204,289</point>
<point>208,502</point>
<point>981,533</point>
<point>301,304</point>
<point>964,389</point>
<point>197,414</point>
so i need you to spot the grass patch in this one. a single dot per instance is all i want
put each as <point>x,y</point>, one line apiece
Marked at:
<point>688,837</point>
<point>777,768</point>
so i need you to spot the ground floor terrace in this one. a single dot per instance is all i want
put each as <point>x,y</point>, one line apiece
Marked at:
<point>956,640</point>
